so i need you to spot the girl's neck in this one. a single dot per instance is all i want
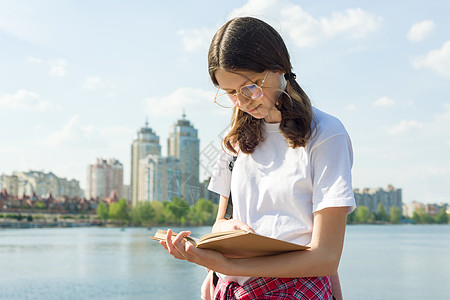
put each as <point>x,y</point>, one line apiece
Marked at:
<point>273,117</point>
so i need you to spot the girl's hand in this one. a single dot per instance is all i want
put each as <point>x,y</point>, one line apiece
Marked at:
<point>185,250</point>
<point>231,224</point>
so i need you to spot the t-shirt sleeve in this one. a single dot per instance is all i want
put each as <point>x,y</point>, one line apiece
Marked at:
<point>331,163</point>
<point>221,176</point>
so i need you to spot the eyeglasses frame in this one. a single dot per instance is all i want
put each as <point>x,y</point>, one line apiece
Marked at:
<point>237,93</point>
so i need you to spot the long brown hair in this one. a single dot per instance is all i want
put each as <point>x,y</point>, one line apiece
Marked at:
<point>252,45</point>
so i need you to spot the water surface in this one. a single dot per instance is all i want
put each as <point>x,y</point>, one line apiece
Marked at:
<point>378,262</point>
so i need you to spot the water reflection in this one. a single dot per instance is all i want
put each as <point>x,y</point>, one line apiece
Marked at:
<point>379,262</point>
<point>98,263</point>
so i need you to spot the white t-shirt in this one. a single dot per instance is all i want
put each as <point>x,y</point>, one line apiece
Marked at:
<point>276,189</point>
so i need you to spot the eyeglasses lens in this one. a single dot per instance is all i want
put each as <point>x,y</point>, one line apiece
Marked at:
<point>252,91</point>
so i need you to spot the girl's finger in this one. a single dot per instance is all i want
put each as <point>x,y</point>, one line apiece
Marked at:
<point>180,237</point>
<point>173,247</point>
<point>163,243</point>
<point>180,243</point>
<point>170,246</point>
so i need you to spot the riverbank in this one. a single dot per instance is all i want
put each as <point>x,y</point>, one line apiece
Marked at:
<point>39,219</point>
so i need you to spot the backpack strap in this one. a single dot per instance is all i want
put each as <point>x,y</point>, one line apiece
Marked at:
<point>229,211</point>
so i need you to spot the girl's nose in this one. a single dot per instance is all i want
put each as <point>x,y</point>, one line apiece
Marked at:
<point>242,100</point>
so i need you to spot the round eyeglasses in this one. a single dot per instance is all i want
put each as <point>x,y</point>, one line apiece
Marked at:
<point>251,91</point>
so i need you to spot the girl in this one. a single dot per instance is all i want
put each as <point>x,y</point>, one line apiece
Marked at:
<point>292,176</point>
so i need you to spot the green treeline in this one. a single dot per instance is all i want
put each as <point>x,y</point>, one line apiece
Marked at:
<point>362,215</point>
<point>420,217</point>
<point>179,213</point>
<point>176,212</point>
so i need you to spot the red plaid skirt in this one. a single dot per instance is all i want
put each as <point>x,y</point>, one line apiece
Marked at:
<point>307,288</point>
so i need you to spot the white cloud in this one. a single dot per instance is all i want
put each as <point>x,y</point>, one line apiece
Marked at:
<point>405,126</point>
<point>34,60</point>
<point>24,99</point>
<point>306,30</point>
<point>351,107</point>
<point>195,39</point>
<point>172,103</point>
<point>420,30</point>
<point>73,134</point>
<point>94,82</point>
<point>354,22</point>
<point>384,102</point>
<point>437,60</point>
<point>58,68</point>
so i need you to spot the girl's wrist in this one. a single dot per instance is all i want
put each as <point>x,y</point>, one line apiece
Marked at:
<point>216,226</point>
<point>228,266</point>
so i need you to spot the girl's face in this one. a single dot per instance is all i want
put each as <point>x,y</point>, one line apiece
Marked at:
<point>262,108</point>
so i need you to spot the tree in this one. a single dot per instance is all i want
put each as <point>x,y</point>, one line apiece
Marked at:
<point>147,213</point>
<point>178,208</point>
<point>134,215</point>
<point>362,214</point>
<point>102,211</point>
<point>395,215</point>
<point>442,218</point>
<point>118,211</point>
<point>39,205</point>
<point>381,213</point>
<point>159,211</point>
<point>351,217</point>
<point>416,217</point>
<point>420,217</point>
<point>142,213</point>
<point>203,212</point>
<point>426,219</point>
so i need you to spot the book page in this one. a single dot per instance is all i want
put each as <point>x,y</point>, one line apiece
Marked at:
<point>160,235</point>
<point>220,235</point>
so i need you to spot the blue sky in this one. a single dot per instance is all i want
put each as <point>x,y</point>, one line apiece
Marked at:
<point>79,78</point>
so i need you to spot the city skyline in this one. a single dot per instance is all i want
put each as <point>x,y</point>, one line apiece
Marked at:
<point>78,80</point>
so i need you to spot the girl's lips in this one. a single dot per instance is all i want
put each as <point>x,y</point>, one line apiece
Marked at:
<point>253,109</point>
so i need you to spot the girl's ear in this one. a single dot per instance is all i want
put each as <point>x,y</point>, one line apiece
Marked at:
<point>283,81</point>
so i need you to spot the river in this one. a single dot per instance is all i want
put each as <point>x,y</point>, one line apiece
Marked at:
<point>378,262</point>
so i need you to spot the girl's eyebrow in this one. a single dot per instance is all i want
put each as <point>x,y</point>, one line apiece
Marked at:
<point>243,84</point>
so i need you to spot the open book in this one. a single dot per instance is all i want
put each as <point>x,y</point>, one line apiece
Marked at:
<point>238,243</point>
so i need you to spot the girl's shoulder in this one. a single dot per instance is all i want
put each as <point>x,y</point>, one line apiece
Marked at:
<point>325,126</point>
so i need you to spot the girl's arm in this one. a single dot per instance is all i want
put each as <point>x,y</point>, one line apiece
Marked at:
<point>223,224</point>
<point>322,259</point>
<point>336,287</point>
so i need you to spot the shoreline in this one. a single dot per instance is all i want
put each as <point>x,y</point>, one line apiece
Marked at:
<point>33,225</point>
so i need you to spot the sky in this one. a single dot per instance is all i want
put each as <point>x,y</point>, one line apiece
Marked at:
<point>79,78</point>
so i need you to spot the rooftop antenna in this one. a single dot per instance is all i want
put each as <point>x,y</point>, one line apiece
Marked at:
<point>184,113</point>
<point>146,122</point>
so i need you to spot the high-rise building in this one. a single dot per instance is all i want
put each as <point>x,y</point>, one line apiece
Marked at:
<point>145,143</point>
<point>207,194</point>
<point>159,178</point>
<point>41,184</point>
<point>10,184</point>
<point>372,197</point>
<point>103,178</point>
<point>126,192</point>
<point>184,144</point>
